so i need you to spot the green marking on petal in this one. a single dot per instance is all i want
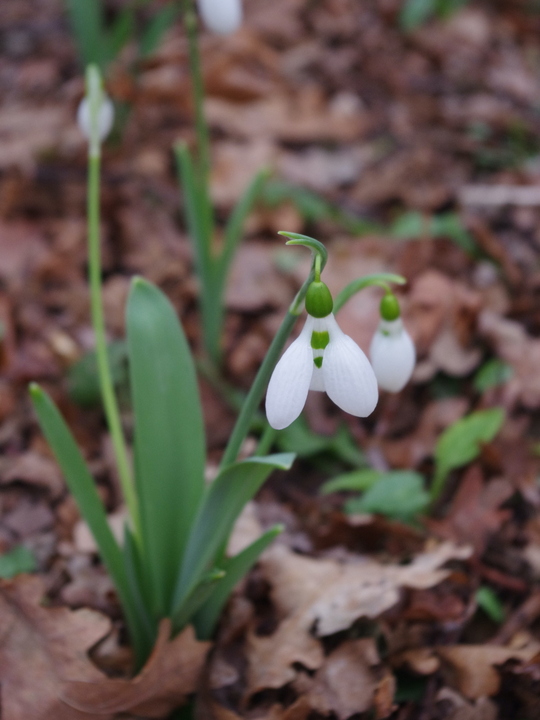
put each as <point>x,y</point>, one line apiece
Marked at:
<point>318,361</point>
<point>319,340</point>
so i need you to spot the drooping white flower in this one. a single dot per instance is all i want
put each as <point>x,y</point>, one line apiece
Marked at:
<point>105,117</point>
<point>392,355</point>
<point>321,358</point>
<point>221,16</point>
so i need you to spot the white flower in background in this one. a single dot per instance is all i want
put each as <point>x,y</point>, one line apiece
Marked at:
<point>221,16</point>
<point>322,358</point>
<point>392,351</point>
<point>105,117</point>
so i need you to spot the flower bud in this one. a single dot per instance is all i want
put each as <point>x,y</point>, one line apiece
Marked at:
<point>105,117</point>
<point>393,355</point>
<point>221,16</point>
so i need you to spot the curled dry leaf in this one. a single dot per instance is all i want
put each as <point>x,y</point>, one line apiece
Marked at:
<point>40,648</point>
<point>169,676</point>
<point>328,596</point>
<point>471,669</point>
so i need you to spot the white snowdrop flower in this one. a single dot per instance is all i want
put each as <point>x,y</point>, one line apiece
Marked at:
<point>221,16</point>
<point>105,117</point>
<point>322,358</point>
<point>392,355</point>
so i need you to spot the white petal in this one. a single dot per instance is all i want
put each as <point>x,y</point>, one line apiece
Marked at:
<point>289,384</point>
<point>221,16</point>
<point>393,355</point>
<point>105,117</point>
<point>348,376</point>
<point>317,379</point>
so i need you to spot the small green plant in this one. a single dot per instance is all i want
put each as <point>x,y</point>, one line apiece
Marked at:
<point>173,561</point>
<point>414,225</point>
<point>416,12</point>
<point>99,41</point>
<point>18,560</point>
<point>402,494</point>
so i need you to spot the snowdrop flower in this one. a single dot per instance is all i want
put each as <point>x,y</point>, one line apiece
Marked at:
<point>392,351</point>
<point>221,16</point>
<point>322,358</point>
<point>104,111</point>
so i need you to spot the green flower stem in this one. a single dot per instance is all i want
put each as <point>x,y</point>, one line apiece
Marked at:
<point>106,385</point>
<point>376,280</point>
<point>255,395</point>
<point>203,136</point>
<point>266,440</point>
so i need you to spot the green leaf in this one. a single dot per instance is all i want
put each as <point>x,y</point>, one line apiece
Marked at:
<point>198,596</point>
<point>169,445</point>
<point>490,604</point>
<point>225,498</point>
<point>82,487</point>
<point>18,560</point>
<point>358,480</point>
<point>83,380</point>
<point>156,28</point>
<point>120,33</point>
<point>462,442</point>
<point>87,21</point>
<point>493,373</point>
<point>237,219</point>
<point>397,494</point>
<point>415,12</point>
<point>235,568</point>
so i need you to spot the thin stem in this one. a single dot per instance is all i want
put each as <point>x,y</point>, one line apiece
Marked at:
<point>105,380</point>
<point>256,392</point>
<point>376,280</point>
<point>203,136</point>
<point>266,441</point>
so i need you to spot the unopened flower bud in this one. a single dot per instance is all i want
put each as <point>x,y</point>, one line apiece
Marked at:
<point>221,16</point>
<point>105,117</point>
<point>393,355</point>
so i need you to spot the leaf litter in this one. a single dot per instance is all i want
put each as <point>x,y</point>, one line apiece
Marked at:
<point>383,122</point>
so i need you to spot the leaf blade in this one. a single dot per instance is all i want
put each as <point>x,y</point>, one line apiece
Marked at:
<point>169,440</point>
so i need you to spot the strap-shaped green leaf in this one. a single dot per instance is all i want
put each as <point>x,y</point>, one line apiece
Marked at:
<point>199,595</point>
<point>225,498</point>
<point>235,568</point>
<point>81,485</point>
<point>169,434</point>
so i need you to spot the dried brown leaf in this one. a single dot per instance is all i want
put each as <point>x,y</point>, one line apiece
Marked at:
<point>169,676</point>
<point>326,596</point>
<point>40,649</point>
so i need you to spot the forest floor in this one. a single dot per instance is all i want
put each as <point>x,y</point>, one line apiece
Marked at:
<point>411,152</point>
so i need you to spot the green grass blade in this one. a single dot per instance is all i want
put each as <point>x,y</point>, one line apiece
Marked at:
<point>235,568</point>
<point>224,500</point>
<point>169,433</point>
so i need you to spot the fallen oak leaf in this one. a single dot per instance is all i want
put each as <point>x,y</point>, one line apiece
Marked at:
<point>41,647</point>
<point>169,676</point>
<point>471,669</point>
<point>319,597</point>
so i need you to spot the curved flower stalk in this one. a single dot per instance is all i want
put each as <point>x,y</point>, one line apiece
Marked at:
<point>221,16</point>
<point>322,358</point>
<point>392,350</point>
